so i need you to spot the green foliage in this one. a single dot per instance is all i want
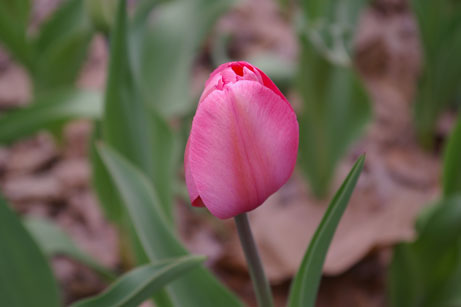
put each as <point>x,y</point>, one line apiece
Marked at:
<point>164,44</point>
<point>427,272</point>
<point>335,106</point>
<point>14,17</point>
<point>49,112</point>
<point>452,163</point>
<point>54,241</point>
<point>61,47</point>
<point>132,128</point>
<point>53,58</point>
<point>26,279</point>
<point>197,288</point>
<point>304,288</point>
<point>55,55</point>
<point>139,284</point>
<point>440,28</point>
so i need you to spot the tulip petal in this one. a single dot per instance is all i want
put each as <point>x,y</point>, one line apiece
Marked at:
<point>191,188</point>
<point>242,148</point>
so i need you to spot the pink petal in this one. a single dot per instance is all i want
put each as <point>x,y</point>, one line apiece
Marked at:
<point>191,188</point>
<point>268,82</point>
<point>242,147</point>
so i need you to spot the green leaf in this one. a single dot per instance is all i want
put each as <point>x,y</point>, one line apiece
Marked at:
<point>335,105</point>
<point>61,46</point>
<point>427,272</point>
<point>48,112</point>
<point>54,241</point>
<point>452,163</point>
<point>440,28</point>
<point>26,279</point>
<point>404,277</point>
<point>139,284</point>
<point>164,44</point>
<point>197,288</point>
<point>133,128</point>
<point>329,26</point>
<point>334,113</point>
<point>14,20</point>
<point>304,287</point>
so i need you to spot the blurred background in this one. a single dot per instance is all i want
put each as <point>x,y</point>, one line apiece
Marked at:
<point>380,77</point>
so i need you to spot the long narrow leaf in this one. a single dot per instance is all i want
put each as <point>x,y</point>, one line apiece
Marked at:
<point>50,111</point>
<point>139,284</point>
<point>452,163</point>
<point>197,288</point>
<point>133,129</point>
<point>26,279</point>
<point>305,284</point>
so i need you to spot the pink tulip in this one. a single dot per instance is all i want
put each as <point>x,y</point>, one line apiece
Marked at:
<point>243,143</point>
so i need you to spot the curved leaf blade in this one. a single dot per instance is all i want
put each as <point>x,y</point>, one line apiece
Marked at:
<point>130,126</point>
<point>141,283</point>
<point>26,279</point>
<point>197,288</point>
<point>48,112</point>
<point>303,291</point>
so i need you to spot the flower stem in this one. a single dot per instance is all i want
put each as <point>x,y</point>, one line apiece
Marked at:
<point>260,283</point>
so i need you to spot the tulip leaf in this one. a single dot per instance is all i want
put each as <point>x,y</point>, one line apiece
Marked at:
<point>26,279</point>
<point>427,272</point>
<point>452,162</point>
<point>61,46</point>
<point>139,284</point>
<point>14,20</point>
<point>131,127</point>
<point>334,113</point>
<point>49,111</point>
<point>164,44</point>
<point>197,288</point>
<point>304,287</point>
<point>440,28</point>
<point>54,241</point>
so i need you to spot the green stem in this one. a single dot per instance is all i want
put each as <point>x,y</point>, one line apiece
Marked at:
<point>260,283</point>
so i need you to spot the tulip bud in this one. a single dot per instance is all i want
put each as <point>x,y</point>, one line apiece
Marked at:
<point>243,142</point>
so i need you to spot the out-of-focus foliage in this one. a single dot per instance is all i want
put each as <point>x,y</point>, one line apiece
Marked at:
<point>14,20</point>
<point>164,43</point>
<point>54,56</point>
<point>452,162</point>
<point>427,272</point>
<point>49,111</point>
<point>61,47</point>
<point>303,292</point>
<point>26,279</point>
<point>335,106</point>
<point>101,13</point>
<point>136,286</point>
<point>440,32</point>
<point>53,241</point>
